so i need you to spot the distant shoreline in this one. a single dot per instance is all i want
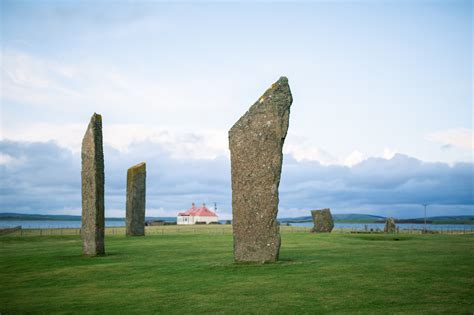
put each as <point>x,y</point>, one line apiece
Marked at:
<point>340,218</point>
<point>59,217</point>
<point>408,221</point>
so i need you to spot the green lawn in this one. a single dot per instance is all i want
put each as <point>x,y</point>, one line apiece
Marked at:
<point>194,273</point>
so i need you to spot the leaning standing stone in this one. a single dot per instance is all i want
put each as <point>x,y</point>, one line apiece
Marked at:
<point>256,142</point>
<point>92,230</point>
<point>322,220</point>
<point>390,226</point>
<point>136,192</point>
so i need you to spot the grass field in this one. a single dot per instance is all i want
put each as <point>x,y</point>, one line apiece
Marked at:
<point>195,273</point>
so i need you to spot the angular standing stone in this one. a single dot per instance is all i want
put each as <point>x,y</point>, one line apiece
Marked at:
<point>136,192</point>
<point>256,142</point>
<point>92,230</point>
<point>390,226</point>
<point>322,220</point>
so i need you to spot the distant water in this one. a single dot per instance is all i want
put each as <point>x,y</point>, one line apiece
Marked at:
<point>53,224</point>
<point>406,226</point>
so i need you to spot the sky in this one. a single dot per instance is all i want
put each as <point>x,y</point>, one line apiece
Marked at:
<point>381,121</point>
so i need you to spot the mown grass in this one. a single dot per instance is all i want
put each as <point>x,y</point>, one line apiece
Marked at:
<point>195,273</point>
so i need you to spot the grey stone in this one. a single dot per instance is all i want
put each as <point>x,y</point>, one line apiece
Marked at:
<point>390,226</point>
<point>92,230</point>
<point>256,142</point>
<point>323,222</point>
<point>136,193</point>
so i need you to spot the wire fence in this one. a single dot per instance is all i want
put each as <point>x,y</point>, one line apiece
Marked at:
<point>457,230</point>
<point>149,230</point>
<point>219,230</point>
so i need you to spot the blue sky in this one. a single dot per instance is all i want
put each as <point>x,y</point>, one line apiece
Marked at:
<point>381,120</point>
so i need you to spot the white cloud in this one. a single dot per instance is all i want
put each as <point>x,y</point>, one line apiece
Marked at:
<point>301,148</point>
<point>66,135</point>
<point>83,87</point>
<point>458,137</point>
<point>32,80</point>
<point>309,153</point>
<point>354,158</point>
<point>5,158</point>
<point>87,87</point>
<point>389,153</point>
<point>179,144</point>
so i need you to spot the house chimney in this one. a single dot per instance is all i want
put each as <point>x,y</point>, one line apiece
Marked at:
<point>193,204</point>
<point>203,204</point>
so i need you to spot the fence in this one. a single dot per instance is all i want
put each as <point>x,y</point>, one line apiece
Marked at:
<point>458,230</point>
<point>218,230</point>
<point>150,230</point>
<point>12,230</point>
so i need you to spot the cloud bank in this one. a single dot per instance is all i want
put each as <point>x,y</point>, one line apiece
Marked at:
<point>43,177</point>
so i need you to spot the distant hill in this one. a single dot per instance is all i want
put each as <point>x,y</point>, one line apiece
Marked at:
<point>458,219</point>
<point>54,217</point>
<point>343,217</point>
<point>357,217</point>
<point>368,218</point>
<point>21,216</point>
<point>449,218</point>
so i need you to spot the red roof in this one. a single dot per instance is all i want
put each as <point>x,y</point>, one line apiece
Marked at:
<point>200,212</point>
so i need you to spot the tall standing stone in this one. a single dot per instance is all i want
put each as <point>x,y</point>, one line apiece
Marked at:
<point>390,226</point>
<point>92,230</point>
<point>136,193</point>
<point>256,142</point>
<point>322,220</point>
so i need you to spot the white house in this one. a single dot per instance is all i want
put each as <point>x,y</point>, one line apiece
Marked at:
<point>195,214</point>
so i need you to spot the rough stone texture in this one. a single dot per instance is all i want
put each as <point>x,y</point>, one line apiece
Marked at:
<point>390,226</point>
<point>136,192</point>
<point>256,142</point>
<point>92,230</point>
<point>322,220</point>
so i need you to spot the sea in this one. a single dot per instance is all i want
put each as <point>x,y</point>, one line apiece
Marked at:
<point>54,224</point>
<point>402,226</point>
<point>57,224</point>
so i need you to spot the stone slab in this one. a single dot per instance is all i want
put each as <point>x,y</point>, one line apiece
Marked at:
<point>136,198</point>
<point>93,180</point>
<point>256,141</point>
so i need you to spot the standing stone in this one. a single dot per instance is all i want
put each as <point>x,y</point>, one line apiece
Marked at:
<point>92,230</point>
<point>322,220</point>
<point>390,226</point>
<point>256,142</point>
<point>136,192</point>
